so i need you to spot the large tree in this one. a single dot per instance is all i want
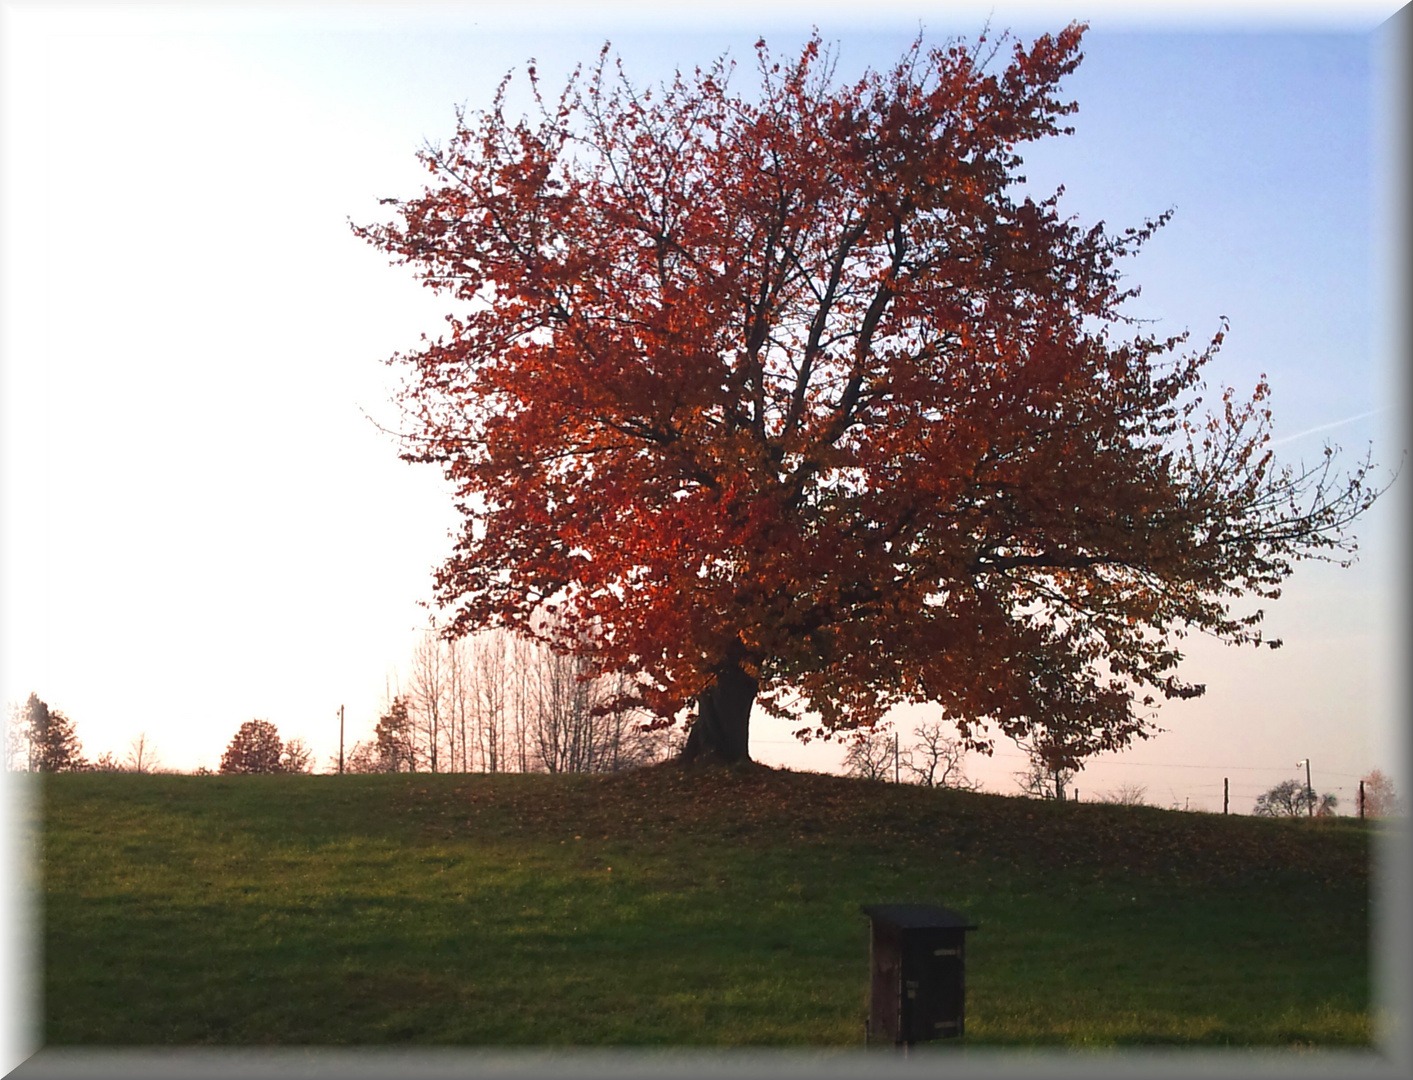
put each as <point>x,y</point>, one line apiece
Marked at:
<point>796,398</point>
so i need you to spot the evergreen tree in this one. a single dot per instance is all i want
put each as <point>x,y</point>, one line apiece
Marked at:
<point>53,744</point>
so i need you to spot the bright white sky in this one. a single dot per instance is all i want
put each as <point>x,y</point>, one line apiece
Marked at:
<point>201,526</point>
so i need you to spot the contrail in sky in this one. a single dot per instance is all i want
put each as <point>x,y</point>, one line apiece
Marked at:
<point>1326,427</point>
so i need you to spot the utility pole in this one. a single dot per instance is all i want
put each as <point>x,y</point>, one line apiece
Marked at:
<point>1226,794</point>
<point>1309,791</point>
<point>340,740</point>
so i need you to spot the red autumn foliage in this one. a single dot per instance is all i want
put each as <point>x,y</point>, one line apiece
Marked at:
<point>792,397</point>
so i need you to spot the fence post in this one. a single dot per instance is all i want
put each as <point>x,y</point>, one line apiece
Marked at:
<point>1226,794</point>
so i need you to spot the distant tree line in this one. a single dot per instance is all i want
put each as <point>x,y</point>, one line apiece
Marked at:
<point>500,703</point>
<point>42,739</point>
<point>931,757</point>
<point>497,702</point>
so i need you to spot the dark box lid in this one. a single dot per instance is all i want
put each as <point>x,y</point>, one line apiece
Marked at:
<point>916,916</point>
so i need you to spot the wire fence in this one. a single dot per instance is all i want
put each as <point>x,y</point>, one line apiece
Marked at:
<point>1231,782</point>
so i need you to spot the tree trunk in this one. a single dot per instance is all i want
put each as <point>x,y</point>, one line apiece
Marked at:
<point>723,725</point>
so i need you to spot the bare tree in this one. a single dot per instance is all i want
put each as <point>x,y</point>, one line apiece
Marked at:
<point>16,738</point>
<point>1126,795</point>
<point>576,719</point>
<point>871,755</point>
<point>297,756</point>
<point>1292,798</point>
<point>936,759</point>
<point>426,694</point>
<point>496,701</point>
<point>491,686</point>
<point>524,695</point>
<point>142,755</point>
<point>1043,777</point>
<point>461,706</point>
<point>362,758</point>
<point>629,739</point>
<point>106,762</point>
<point>561,725</point>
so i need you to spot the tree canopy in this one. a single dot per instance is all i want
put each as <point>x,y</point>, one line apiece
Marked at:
<point>257,748</point>
<point>796,397</point>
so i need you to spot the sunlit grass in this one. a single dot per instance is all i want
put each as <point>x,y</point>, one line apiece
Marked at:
<point>664,908</point>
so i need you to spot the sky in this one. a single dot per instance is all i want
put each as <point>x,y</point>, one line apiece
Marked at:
<point>202,523</point>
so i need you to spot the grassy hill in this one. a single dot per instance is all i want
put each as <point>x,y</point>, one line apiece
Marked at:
<point>715,907</point>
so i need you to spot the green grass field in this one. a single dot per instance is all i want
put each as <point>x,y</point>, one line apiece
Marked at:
<point>663,907</point>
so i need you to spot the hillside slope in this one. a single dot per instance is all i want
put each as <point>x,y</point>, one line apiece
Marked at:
<point>662,906</point>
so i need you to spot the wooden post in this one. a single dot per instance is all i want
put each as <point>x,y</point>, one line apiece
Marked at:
<point>1361,800</point>
<point>895,758</point>
<point>1226,794</point>
<point>340,740</point>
